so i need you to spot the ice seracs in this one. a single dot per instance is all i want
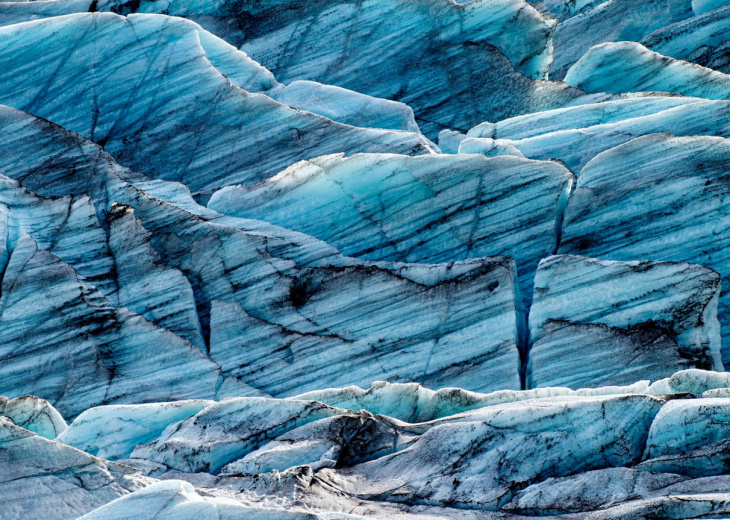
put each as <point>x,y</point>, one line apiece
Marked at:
<point>267,305</point>
<point>595,322</point>
<point>657,197</point>
<point>431,209</point>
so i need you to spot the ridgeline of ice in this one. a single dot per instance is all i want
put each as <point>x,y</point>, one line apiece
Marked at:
<point>575,135</point>
<point>701,39</point>
<point>595,22</point>
<point>302,455</point>
<point>589,452</point>
<point>150,96</point>
<point>41,477</point>
<point>630,67</point>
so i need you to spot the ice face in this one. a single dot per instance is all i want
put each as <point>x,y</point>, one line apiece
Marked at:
<point>434,471</point>
<point>605,453</point>
<point>178,500</point>
<point>595,321</point>
<point>389,207</point>
<point>62,339</point>
<point>702,6</point>
<point>667,190</point>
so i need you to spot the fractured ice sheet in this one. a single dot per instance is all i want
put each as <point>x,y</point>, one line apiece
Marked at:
<point>299,303</point>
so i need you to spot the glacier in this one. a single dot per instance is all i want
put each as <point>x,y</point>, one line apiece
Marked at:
<point>373,259</point>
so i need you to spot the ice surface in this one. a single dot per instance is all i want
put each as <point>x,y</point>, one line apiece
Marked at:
<point>575,135</point>
<point>112,432</point>
<point>488,147</point>
<point>703,6</point>
<point>549,438</point>
<point>609,21</point>
<point>346,106</point>
<point>640,69</point>
<point>686,424</point>
<point>700,39</point>
<point>178,500</point>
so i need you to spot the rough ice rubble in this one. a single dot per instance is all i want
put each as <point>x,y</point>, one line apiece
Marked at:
<point>657,197</point>
<point>39,477</point>
<point>587,453</point>
<point>177,500</point>
<point>594,319</point>
<point>155,102</point>
<point>434,209</point>
<point>557,437</point>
